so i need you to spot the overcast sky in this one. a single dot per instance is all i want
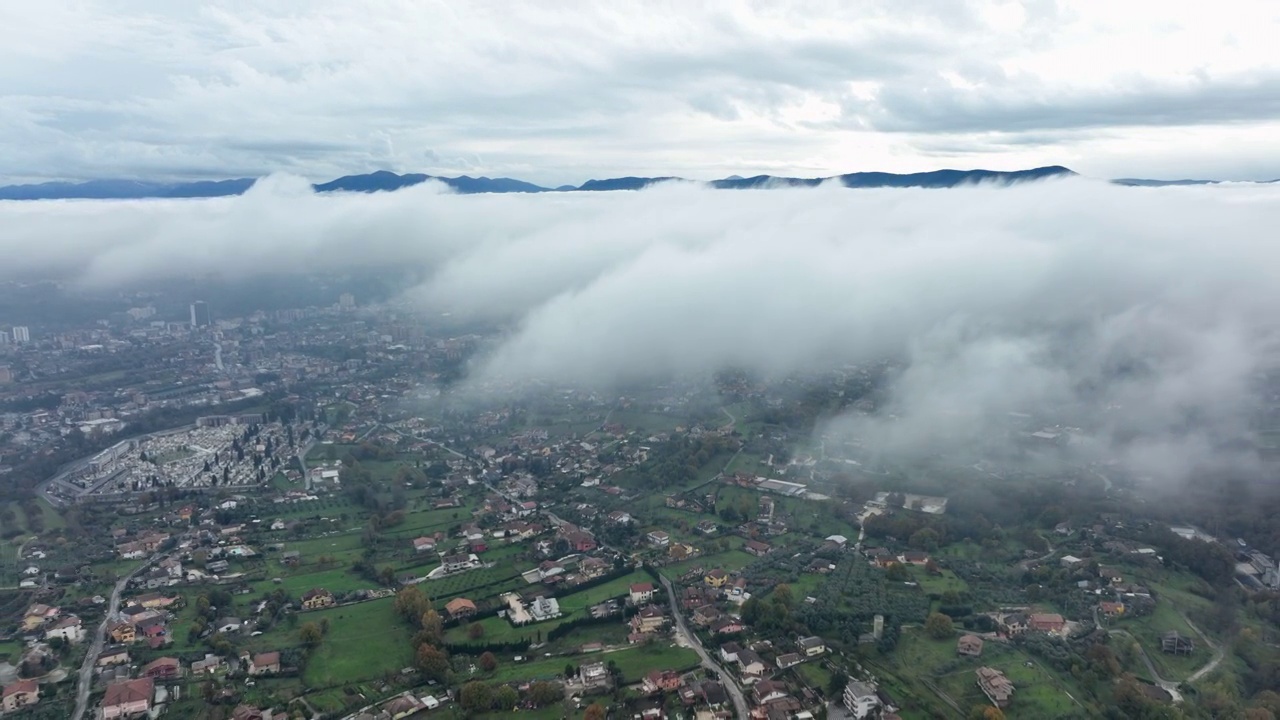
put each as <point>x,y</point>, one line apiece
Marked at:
<point>563,92</point>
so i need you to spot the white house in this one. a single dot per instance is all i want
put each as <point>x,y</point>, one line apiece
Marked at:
<point>68,628</point>
<point>861,699</point>
<point>640,593</point>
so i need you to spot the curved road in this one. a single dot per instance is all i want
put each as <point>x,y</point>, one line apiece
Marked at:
<point>91,656</point>
<point>730,685</point>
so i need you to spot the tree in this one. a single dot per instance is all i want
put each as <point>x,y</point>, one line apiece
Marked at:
<point>783,596</point>
<point>835,686</point>
<point>475,696</point>
<point>310,635</point>
<point>924,539</point>
<point>475,631</point>
<point>432,627</point>
<point>433,662</point>
<point>939,626</point>
<point>488,662</point>
<point>545,693</point>
<point>985,712</point>
<point>411,603</point>
<point>505,698</point>
<point>595,711</point>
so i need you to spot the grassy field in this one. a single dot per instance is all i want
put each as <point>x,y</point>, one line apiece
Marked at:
<point>634,663</point>
<point>52,520</point>
<point>335,579</point>
<point>364,641</point>
<point>619,586</point>
<point>729,561</point>
<point>1148,631</point>
<point>937,584</point>
<point>919,661</point>
<point>9,651</point>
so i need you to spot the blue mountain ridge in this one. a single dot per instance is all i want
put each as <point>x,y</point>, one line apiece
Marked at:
<point>384,180</point>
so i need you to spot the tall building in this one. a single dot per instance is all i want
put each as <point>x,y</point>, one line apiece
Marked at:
<point>21,334</point>
<point>346,301</point>
<point>4,338</point>
<point>200,314</point>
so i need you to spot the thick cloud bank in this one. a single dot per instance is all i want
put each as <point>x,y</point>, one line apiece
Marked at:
<point>1145,315</point>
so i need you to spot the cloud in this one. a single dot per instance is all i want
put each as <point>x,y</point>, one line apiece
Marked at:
<point>1141,316</point>
<point>560,93</point>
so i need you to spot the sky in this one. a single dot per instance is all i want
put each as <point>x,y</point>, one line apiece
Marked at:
<point>1131,312</point>
<point>559,93</point>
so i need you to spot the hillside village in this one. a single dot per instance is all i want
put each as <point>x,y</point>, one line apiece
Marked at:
<point>632,560</point>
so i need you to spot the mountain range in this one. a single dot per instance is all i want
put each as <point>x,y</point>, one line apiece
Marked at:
<point>383,180</point>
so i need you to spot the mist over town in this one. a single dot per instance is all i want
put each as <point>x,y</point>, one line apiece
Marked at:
<point>372,360</point>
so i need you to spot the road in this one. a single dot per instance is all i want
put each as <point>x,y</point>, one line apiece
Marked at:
<point>95,648</point>
<point>1218,652</point>
<point>730,685</point>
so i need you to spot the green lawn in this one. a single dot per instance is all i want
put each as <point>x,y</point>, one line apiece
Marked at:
<point>364,641</point>
<point>592,596</point>
<point>634,663</point>
<point>729,561</point>
<point>1149,629</point>
<point>335,579</point>
<point>919,659</point>
<point>937,584</point>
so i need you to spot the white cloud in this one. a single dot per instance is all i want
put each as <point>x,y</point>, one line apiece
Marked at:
<point>1142,315</point>
<point>559,93</point>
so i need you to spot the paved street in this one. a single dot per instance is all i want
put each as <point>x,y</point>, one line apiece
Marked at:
<point>730,685</point>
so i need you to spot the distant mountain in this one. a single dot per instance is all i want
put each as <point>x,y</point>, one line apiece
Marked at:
<point>383,180</point>
<point>386,180</point>
<point>1142,182</point>
<point>623,183</point>
<point>125,189</point>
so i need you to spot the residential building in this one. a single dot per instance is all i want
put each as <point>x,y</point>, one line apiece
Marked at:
<point>860,699</point>
<point>123,632</point>
<point>768,691</point>
<point>661,681</point>
<point>262,663</point>
<point>1046,622</point>
<point>640,593</point>
<point>1176,643</point>
<point>716,578</point>
<point>750,666</point>
<point>649,619</point>
<point>164,668</point>
<point>316,598</point>
<point>788,660</point>
<point>659,538</point>
<point>460,608</point>
<point>68,628</point>
<point>969,646</point>
<point>757,548</point>
<point>21,334</point>
<point>994,684</point>
<point>812,646</point>
<point>544,608</point>
<point>23,693</point>
<point>594,674</point>
<point>128,698</point>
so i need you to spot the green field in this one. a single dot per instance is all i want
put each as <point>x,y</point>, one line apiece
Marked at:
<point>634,663</point>
<point>920,661</point>
<point>729,561</point>
<point>937,584</point>
<point>364,641</point>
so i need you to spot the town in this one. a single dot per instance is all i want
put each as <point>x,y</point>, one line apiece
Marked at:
<point>294,514</point>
